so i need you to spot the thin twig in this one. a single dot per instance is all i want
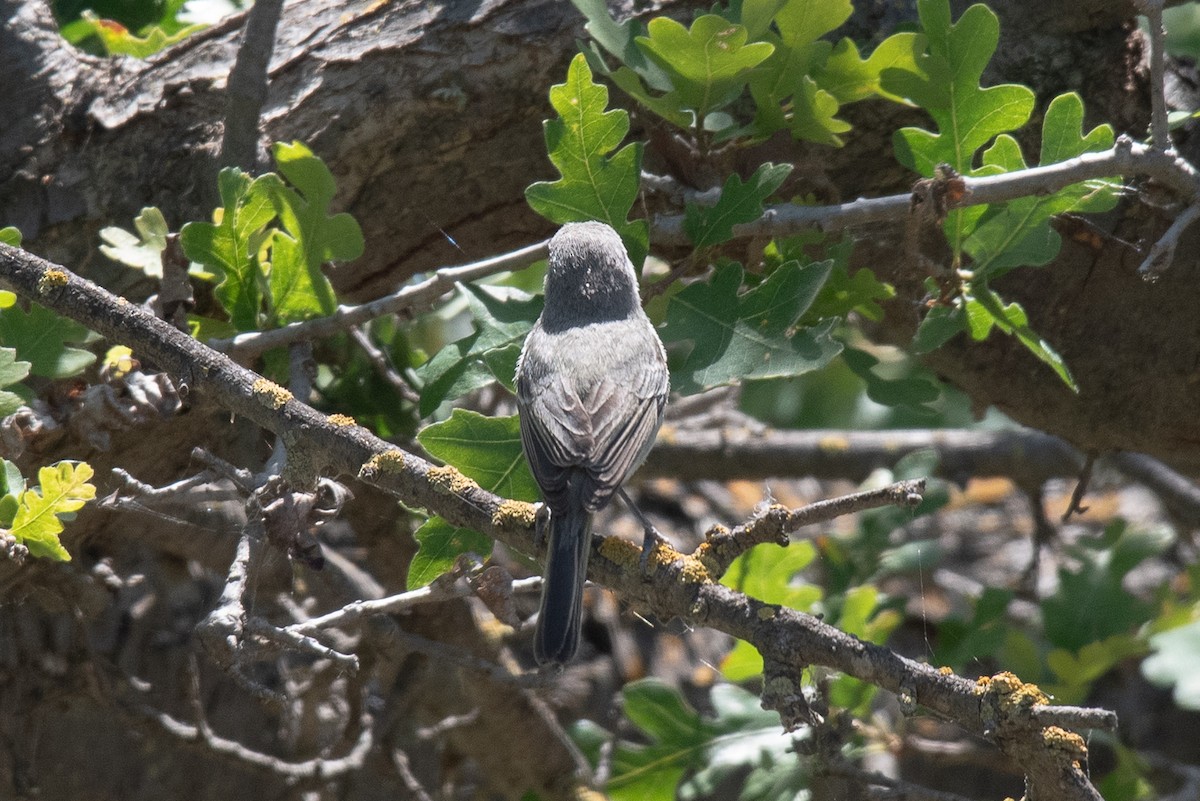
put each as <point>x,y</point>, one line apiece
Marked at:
<point>357,610</point>
<point>1124,158</point>
<point>410,301</point>
<point>1163,252</point>
<point>778,522</point>
<point>382,365</point>
<point>1159,129</point>
<point>246,88</point>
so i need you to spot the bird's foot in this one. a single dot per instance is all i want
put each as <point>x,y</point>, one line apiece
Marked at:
<point>651,539</point>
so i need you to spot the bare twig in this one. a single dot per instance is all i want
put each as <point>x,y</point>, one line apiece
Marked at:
<point>358,610</point>
<point>1081,488</point>
<point>382,365</point>
<point>1163,252</point>
<point>409,301</point>
<point>1124,158</point>
<point>414,786</point>
<point>201,732</point>
<point>1159,129</point>
<point>246,88</point>
<point>777,522</point>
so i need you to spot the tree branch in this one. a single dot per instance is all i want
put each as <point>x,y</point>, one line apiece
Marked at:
<point>786,637</point>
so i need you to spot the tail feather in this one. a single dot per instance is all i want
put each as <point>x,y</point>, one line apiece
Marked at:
<point>561,615</point>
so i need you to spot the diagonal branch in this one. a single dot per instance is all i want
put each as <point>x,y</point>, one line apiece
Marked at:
<point>786,637</point>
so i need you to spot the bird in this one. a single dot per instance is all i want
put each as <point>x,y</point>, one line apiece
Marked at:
<point>592,385</point>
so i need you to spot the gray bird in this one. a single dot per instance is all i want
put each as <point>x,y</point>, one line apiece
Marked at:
<point>592,383</point>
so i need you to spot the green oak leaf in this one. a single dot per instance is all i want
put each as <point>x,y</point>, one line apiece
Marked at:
<point>740,202</point>
<point>678,750</point>
<point>594,185</point>
<point>488,451</point>
<point>985,309</point>
<point>850,78</point>
<point>909,391</point>
<point>709,63</point>
<point>940,325</point>
<point>947,86</point>
<point>1018,233</point>
<point>752,335</point>
<point>784,90</point>
<point>767,572</point>
<point>503,316</point>
<point>230,247</point>
<point>12,372</point>
<point>1173,663</point>
<point>618,38</point>
<point>120,41</point>
<point>40,337</point>
<point>141,250</point>
<point>63,488</point>
<point>298,285</point>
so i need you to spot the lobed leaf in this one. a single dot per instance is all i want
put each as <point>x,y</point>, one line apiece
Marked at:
<point>141,250</point>
<point>488,451</point>
<point>753,335</point>
<point>40,337</point>
<point>229,247</point>
<point>503,317</point>
<point>594,185</point>
<point>740,202</point>
<point>63,488</point>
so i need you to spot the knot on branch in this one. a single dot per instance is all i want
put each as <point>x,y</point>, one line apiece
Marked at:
<point>783,693</point>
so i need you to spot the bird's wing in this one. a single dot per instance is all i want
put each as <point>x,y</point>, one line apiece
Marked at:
<point>605,428</point>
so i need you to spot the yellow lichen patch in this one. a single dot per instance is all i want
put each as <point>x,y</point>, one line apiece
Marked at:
<point>622,552</point>
<point>946,671</point>
<point>514,514</point>
<point>386,462</point>
<point>766,612</point>
<point>52,279</point>
<point>270,394</point>
<point>342,420</point>
<point>1063,741</point>
<point>834,444</point>
<point>450,481</point>
<point>1013,692</point>
<point>694,570</point>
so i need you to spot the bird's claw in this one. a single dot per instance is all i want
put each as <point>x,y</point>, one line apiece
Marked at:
<point>650,542</point>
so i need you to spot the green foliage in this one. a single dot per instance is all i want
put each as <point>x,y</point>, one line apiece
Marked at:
<point>679,748</point>
<point>709,64</point>
<point>969,116</point>
<point>594,185</point>
<point>117,40</point>
<point>766,572</point>
<point>230,246</point>
<point>141,250</point>
<point>12,237</point>
<point>740,202</point>
<point>486,450</point>
<point>272,274</point>
<point>694,77</point>
<point>1103,564</point>
<point>503,316</point>
<point>34,515</point>
<point>311,236</point>
<point>749,335</point>
<point>12,372</point>
<point>1176,652</point>
<point>40,337</point>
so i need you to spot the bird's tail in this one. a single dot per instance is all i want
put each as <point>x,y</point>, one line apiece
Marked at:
<point>561,615</point>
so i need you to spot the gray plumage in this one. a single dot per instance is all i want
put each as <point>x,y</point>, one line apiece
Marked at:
<point>591,386</point>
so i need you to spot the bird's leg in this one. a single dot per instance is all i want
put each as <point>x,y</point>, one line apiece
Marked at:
<point>650,536</point>
<point>541,525</point>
